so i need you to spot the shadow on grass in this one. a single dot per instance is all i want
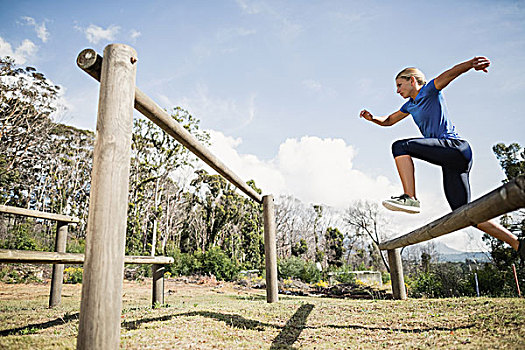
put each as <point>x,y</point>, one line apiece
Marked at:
<point>235,321</point>
<point>32,328</point>
<point>288,335</point>
<point>293,328</point>
<point>257,297</point>
<point>403,330</point>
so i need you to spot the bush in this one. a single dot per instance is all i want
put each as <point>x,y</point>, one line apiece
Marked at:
<point>343,275</point>
<point>298,268</point>
<point>21,238</point>
<point>217,263</point>
<point>73,275</point>
<point>444,280</point>
<point>214,262</point>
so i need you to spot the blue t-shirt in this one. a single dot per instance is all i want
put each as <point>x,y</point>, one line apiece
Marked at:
<point>430,113</point>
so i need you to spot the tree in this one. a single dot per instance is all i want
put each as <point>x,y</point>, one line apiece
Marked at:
<point>334,246</point>
<point>155,157</point>
<point>364,217</point>
<point>27,102</point>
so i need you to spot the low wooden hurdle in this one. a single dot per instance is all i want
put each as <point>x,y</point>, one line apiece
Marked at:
<point>99,325</point>
<point>59,257</point>
<point>504,199</point>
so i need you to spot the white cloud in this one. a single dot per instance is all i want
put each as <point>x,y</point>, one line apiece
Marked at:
<point>313,85</point>
<point>288,30</point>
<point>230,113</point>
<point>40,29</point>
<point>321,171</point>
<point>319,89</point>
<point>312,169</point>
<point>21,54</point>
<point>135,34</point>
<point>233,33</point>
<point>250,7</point>
<point>94,33</point>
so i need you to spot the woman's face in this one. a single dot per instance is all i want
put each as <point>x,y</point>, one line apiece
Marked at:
<point>404,87</point>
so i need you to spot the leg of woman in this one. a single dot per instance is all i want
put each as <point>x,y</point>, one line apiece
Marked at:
<point>435,151</point>
<point>405,169</point>
<point>494,229</point>
<point>457,191</point>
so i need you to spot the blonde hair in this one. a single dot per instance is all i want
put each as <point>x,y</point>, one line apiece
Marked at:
<point>410,72</point>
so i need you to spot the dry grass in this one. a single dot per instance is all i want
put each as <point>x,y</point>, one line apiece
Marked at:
<point>225,316</point>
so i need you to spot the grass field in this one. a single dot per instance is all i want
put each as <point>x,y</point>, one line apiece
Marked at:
<point>226,316</point>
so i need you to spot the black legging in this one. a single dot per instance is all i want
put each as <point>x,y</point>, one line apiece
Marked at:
<point>453,155</point>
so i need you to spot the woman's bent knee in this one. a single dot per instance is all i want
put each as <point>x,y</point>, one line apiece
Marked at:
<point>399,148</point>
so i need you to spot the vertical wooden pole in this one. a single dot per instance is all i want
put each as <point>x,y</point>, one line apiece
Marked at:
<point>158,285</point>
<point>101,305</point>
<point>270,249</point>
<point>396,274</point>
<point>57,276</point>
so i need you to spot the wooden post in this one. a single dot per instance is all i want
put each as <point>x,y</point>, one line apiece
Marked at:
<point>270,249</point>
<point>158,285</point>
<point>101,305</point>
<point>57,276</point>
<point>396,274</point>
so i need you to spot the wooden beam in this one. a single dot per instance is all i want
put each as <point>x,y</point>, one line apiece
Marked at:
<point>502,200</point>
<point>38,214</point>
<point>89,61</point>
<point>34,257</point>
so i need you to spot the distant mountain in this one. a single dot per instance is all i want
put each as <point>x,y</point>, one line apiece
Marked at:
<point>448,254</point>
<point>452,255</point>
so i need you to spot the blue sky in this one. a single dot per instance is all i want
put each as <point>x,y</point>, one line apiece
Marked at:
<point>280,83</point>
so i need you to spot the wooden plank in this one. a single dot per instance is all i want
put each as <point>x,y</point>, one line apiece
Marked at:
<point>502,200</point>
<point>38,214</point>
<point>89,61</point>
<point>34,257</point>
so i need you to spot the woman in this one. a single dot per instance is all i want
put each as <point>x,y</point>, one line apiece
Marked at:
<point>441,145</point>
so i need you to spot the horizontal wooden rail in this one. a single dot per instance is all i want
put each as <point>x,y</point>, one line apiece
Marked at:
<point>91,62</point>
<point>502,200</point>
<point>38,214</point>
<point>33,257</point>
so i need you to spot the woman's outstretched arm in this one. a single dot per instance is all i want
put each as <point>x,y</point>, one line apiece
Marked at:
<point>383,121</point>
<point>478,63</point>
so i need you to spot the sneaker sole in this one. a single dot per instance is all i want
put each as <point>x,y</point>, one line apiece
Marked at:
<point>397,207</point>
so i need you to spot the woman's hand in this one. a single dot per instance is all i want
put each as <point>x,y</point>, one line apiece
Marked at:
<point>366,114</point>
<point>481,63</point>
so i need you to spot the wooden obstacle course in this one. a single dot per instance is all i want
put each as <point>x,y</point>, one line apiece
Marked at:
<point>63,221</point>
<point>59,257</point>
<point>504,199</point>
<point>99,326</point>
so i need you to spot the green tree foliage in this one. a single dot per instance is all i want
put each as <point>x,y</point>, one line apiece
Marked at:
<point>365,219</point>
<point>155,198</point>
<point>300,248</point>
<point>297,268</point>
<point>27,101</point>
<point>219,216</point>
<point>512,161</point>
<point>334,246</point>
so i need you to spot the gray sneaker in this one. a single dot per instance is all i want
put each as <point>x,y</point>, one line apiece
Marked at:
<point>403,203</point>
